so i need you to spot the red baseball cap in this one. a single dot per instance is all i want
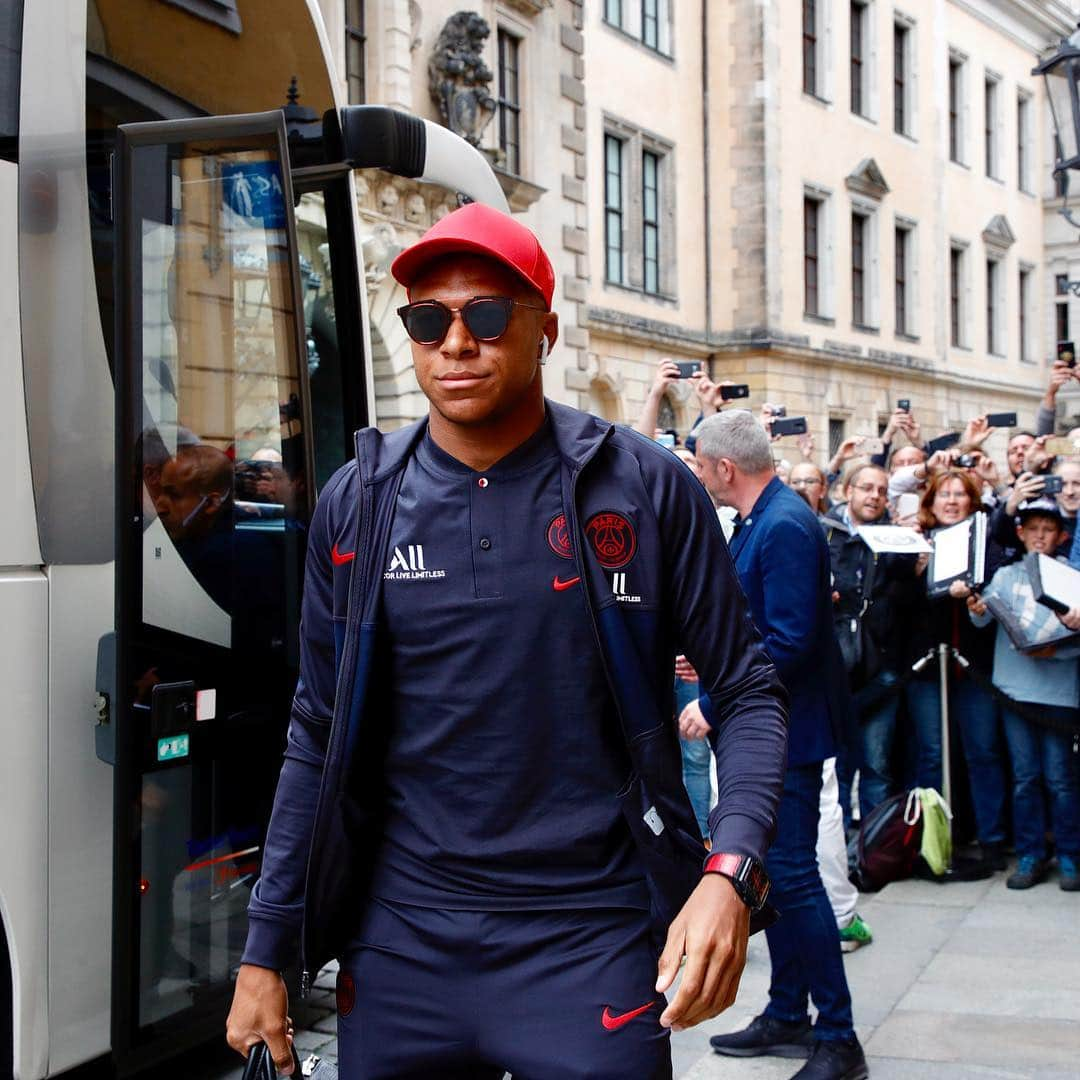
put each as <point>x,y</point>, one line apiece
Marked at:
<point>480,230</point>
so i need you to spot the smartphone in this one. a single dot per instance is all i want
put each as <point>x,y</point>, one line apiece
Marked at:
<point>1066,351</point>
<point>1001,419</point>
<point>872,446</point>
<point>795,425</point>
<point>908,504</point>
<point>737,390</point>
<point>904,404</point>
<point>1052,485</point>
<point>1059,446</point>
<point>943,442</point>
<point>665,438</point>
<point>688,368</point>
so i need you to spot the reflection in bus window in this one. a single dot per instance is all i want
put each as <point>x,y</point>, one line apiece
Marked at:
<point>321,334</point>
<point>224,466</point>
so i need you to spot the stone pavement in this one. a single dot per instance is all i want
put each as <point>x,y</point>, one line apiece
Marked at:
<point>962,980</point>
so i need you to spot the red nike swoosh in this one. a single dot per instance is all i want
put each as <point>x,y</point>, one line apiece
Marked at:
<point>613,1023</point>
<point>561,586</point>
<point>339,559</point>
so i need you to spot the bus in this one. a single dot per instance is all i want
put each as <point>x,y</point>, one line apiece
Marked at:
<point>184,356</point>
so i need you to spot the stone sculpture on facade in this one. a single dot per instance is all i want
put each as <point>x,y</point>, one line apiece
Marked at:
<point>458,77</point>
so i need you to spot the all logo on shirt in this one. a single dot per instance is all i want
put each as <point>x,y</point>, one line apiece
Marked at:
<point>621,592</point>
<point>407,564</point>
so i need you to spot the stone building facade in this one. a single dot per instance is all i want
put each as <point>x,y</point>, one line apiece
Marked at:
<point>839,204</point>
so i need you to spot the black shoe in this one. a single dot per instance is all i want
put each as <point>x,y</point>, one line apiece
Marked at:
<point>766,1036</point>
<point>993,856</point>
<point>1029,871</point>
<point>835,1061</point>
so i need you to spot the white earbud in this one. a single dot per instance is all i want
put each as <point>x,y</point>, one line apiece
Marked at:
<point>544,349</point>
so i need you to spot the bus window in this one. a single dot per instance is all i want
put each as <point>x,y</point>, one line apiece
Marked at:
<point>224,471</point>
<point>11,20</point>
<point>326,326</point>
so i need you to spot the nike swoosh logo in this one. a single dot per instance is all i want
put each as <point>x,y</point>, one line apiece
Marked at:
<point>561,586</point>
<point>613,1023</point>
<point>339,559</point>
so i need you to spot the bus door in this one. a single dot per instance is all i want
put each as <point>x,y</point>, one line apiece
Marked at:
<point>215,486</point>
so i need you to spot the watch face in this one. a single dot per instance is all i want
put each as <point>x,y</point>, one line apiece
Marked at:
<point>746,874</point>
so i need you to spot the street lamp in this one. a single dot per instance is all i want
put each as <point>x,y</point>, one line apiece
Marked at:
<point>1061,73</point>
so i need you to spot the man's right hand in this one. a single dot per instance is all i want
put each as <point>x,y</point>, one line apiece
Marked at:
<point>1027,486</point>
<point>260,1013</point>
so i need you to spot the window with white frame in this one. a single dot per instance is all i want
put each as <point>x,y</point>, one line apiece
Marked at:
<point>992,125</point>
<point>957,108</point>
<point>1024,310</point>
<point>812,70</point>
<point>905,266</point>
<point>355,45</point>
<point>995,307</point>
<point>509,51</point>
<point>812,221</point>
<point>1023,141</point>
<point>817,253</point>
<point>864,279</point>
<point>861,57</point>
<point>1061,306</point>
<point>639,210</point>
<point>614,210</point>
<point>649,21</point>
<point>959,296</point>
<point>650,221</point>
<point>903,78</point>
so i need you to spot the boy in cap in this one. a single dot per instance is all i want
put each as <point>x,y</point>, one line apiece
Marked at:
<point>483,777</point>
<point>1046,681</point>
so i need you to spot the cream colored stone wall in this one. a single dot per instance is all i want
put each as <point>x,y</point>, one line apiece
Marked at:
<point>744,144</point>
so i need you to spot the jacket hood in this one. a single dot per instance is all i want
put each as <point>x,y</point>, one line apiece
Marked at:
<point>577,435</point>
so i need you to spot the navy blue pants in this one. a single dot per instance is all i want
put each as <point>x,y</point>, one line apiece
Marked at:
<point>427,994</point>
<point>804,945</point>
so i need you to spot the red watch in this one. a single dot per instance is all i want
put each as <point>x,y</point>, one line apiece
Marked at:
<point>745,873</point>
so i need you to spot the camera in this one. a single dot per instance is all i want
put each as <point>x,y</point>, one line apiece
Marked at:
<point>738,390</point>
<point>1053,485</point>
<point>967,461</point>
<point>796,425</point>
<point>904,404</point>
<point>688,368</point>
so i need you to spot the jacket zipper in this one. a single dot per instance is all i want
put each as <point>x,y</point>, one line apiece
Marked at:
<point>348,660</point>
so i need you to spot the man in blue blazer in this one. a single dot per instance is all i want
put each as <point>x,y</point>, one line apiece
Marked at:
<point>783,564</point>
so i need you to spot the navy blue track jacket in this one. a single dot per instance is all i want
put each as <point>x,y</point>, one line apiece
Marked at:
<point>324,829</point>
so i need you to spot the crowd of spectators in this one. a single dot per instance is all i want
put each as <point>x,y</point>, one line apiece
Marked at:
<point>1015,715</point>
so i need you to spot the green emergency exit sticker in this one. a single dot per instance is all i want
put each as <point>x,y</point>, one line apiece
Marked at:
<point>173,747</point>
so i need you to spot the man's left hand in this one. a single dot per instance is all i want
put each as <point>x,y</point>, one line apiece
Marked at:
<point>692,722</point>
<point>711,931</point>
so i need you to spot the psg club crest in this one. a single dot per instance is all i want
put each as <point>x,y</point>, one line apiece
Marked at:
<point>613,539</point>
<point>558,537</point>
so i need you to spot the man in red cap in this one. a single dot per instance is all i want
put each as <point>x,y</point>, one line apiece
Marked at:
<point>481,811</point>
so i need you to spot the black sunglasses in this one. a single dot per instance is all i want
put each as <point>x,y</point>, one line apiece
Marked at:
<point>485,317</point>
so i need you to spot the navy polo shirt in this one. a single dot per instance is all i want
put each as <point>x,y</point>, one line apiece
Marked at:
<point>504,750</point>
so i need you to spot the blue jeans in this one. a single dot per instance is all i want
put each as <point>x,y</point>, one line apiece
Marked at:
<point>696,760</point>
<point>1043,758</point>
<point>804,945</point>
<point>877,730</point>
<point>974,713</point>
